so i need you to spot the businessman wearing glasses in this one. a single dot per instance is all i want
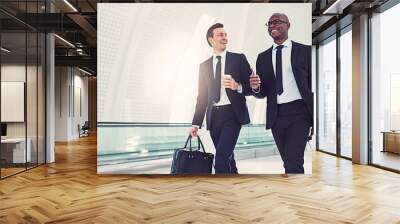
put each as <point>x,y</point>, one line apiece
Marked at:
<point>284,77</point>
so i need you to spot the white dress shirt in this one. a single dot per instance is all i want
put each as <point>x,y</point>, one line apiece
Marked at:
<point>223,100</point>
<point>290,89</point>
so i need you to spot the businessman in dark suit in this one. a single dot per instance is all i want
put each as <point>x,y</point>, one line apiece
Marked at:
<point>220,98</point>
<point>284,77</point>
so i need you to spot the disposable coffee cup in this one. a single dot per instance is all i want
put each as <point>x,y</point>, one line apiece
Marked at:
<point>226,76</point>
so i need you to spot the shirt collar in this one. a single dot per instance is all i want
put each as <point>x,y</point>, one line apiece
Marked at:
<point>223,54</point>
<point>287,43</point>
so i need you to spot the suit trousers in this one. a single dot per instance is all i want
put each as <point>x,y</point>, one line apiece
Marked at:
<point>224,131</point>
<point>290,131</point>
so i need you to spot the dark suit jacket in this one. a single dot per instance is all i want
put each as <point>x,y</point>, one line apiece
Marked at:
<point>235,65</point>
<point>301,65</point>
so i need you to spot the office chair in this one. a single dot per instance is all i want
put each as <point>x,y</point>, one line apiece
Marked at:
<point>84,130</point>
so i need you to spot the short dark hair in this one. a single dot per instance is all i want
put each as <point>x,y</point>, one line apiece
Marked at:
<point>211,30</point>
<point>278,14</point>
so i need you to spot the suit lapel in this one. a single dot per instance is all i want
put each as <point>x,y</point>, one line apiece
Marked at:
<point>210,77</point>
<point>210,70</point>
<point>227,63</point>
<point>227,69</point>
<point>270,69</point>
<point>293,58</point>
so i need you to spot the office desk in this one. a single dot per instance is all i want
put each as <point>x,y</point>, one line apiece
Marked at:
<point>391,141</point>
<point>13,150</point>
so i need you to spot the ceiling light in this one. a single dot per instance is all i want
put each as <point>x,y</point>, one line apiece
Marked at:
<point>84,71</point>
<point>70,5</point>
<point>64,40</point>
<point>5,50</point>
<point>338,6</point>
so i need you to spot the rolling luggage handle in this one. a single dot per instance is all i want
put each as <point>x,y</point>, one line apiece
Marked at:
<point>189,140</point>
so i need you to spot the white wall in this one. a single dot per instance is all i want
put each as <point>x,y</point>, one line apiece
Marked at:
<point>70,83</point>
<point>80,103</point>
<point>61,103</point>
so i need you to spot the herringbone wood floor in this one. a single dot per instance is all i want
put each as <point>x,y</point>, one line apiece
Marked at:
<point>70,191</point>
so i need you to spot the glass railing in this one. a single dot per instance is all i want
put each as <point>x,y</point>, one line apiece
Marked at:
<point>128,143</point>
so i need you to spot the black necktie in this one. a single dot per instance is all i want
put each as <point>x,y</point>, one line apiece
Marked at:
<point>278,70</point>
<point>218,80</point>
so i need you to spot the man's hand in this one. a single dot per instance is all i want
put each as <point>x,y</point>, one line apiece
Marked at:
<point>193,131</point>
<point>255,81</point>
<point>230,83</point>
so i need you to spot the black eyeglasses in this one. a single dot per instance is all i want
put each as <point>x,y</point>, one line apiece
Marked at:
<point>275,22</point>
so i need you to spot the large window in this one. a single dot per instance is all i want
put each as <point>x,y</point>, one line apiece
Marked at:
<point>385,89</point>
<point>335,74</point>
<point>346,93</point>
<point>327,96</point>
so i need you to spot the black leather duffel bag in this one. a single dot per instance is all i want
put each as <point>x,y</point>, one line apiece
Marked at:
<point>189,161</point>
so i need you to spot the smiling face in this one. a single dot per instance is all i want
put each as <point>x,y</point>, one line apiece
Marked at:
<point>278,27</point>
<point>219,40</point>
